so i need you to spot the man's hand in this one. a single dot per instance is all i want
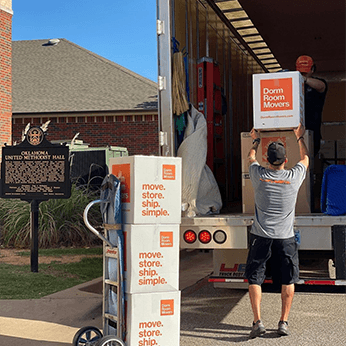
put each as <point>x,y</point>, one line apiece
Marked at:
<point>252,154</point>
<point>299,131</point>
<point>254,134</point>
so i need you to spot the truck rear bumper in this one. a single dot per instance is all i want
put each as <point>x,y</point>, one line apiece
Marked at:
<point>315,231</point>
<point>237,282</point>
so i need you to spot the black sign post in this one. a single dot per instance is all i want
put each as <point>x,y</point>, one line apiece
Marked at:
<point>35,170</point>
<point>34,224</point>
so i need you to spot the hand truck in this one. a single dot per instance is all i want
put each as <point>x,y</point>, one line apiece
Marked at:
<point>113,305</point>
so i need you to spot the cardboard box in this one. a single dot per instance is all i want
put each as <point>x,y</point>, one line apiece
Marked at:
<point>151,188</point>
<point>303,205</point>
<point>152,258</point>
<point>287,138</point>
<point>278,100</point>
<point>333,131</point>
<point>341,149</point>
<point>328,149</point>
<point>153,319</point>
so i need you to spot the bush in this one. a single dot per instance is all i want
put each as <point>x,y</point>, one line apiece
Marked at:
<point>60,221</point>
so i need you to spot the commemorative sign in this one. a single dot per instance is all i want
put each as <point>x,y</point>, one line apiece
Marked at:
<point>35,169</point>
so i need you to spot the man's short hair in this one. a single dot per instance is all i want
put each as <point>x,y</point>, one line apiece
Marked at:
<point>276,153</point>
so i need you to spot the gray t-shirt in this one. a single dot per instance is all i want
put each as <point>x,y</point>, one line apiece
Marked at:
<point>275,199</point>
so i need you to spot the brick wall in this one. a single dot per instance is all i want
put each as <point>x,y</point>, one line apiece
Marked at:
<point>5,77</point>
<point>138,133</point>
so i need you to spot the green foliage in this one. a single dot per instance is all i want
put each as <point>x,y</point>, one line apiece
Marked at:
<point>18,282</point>
<point>60,221</point>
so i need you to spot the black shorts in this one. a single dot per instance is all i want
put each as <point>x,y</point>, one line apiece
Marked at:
<point>285,263</point>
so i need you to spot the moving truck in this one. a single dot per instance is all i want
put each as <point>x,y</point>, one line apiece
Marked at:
<point>219,62</point>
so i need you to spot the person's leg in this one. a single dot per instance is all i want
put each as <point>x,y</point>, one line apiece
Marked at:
<point>287,293</point>
<point>255,293</point>
<point>259,253</point>
<point>289,275</point>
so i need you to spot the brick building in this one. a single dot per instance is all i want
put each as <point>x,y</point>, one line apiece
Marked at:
<point>5,71</point>
<point>82,92</point>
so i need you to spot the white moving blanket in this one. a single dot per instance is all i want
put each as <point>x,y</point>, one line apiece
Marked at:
<point>200,192</point>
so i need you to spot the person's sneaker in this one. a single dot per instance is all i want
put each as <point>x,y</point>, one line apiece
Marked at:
<point>257,329</point>
<point>283,328</point>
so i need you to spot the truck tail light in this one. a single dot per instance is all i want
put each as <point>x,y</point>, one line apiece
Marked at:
<point>219,236</point>
<point>204,237</point>
<point>190,236</point>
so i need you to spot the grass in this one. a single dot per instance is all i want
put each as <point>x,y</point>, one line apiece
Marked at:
<point>18,282</point>
<point>60,221</point>
<point>63,252</point>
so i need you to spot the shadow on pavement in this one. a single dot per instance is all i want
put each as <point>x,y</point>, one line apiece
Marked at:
<point>203,312</point>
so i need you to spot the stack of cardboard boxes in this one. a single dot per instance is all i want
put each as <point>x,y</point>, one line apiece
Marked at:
<point>151,200</point>
<point>278,108</point>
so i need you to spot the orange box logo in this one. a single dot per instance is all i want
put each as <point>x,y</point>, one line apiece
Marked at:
<point>276,94</point>
<point>168,172</point>
<point>123,173</point>
<point>167,307</point>
<point>166,239</point>
<point>266,142</point>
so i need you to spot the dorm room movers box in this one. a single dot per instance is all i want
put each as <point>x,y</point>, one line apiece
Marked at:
<point>151,258</point>
<point>278,100</point>
<point>153,319</point>
<point>150,188</point>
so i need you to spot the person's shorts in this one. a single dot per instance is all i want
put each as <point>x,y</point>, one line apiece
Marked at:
<point>284,264</point>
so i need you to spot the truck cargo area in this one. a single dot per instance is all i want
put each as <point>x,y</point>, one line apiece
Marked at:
<point>224,43</point>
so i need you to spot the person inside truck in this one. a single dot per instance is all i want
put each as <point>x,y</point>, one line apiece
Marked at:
<point>315,94</point>
<point>272,234</point>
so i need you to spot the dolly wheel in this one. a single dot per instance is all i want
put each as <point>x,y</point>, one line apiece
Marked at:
<point>87,336</point>
<point>110,340</point>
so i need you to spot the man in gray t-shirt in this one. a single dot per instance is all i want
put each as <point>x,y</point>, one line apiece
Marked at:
<point>275,199</point>
<point>272,233</point>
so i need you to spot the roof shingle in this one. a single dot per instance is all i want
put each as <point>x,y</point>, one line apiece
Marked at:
<point>68,78</point>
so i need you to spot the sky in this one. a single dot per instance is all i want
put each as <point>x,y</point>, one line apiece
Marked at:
<point>123,31</point>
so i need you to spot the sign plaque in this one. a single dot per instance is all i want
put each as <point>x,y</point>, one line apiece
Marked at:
<point>35,169</point>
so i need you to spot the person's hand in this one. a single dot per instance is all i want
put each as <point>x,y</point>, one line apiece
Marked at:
<point>254,134</point>
<point>299,131</point>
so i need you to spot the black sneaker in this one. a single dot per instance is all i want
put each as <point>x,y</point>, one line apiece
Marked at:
<point>257,329</point>
<point>283,328</point>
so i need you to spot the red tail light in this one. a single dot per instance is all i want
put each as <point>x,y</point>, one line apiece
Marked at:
<point>204,237</point>
<point>190,236</point>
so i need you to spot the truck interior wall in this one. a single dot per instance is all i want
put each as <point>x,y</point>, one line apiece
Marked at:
<point>334,110</point>
<point>201,33</point>
<point>333,129</point>
<point>335,105</point>
<point>192,57</point>
<point>226,81</point>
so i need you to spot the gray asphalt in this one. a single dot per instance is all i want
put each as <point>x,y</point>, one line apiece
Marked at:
<point>222,317</point>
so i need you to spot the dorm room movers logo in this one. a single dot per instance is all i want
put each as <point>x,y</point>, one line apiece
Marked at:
<point>276,94</point>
